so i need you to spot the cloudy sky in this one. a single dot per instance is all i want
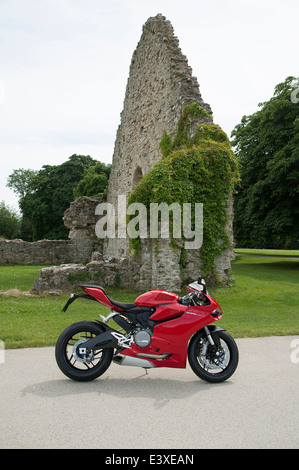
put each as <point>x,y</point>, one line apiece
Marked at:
<point>65,64</point>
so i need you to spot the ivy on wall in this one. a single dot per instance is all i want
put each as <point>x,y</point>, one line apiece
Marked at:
<point>198,166</point>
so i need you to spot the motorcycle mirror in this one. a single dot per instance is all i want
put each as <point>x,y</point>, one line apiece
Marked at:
<point>202,283</point>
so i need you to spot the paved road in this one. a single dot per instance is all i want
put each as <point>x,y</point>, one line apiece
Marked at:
<point>258,407</point>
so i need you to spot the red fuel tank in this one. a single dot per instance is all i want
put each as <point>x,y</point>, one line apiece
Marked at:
<point>167,312</point>
<point>155,297</point>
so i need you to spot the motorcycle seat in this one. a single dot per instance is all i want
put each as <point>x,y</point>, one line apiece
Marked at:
<point>120,305</point>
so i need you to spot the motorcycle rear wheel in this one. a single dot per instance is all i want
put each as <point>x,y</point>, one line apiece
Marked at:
<point>210,363</point>
<point>71,361</point>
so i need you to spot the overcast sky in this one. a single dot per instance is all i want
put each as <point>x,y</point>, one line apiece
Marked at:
<point>65,65</point>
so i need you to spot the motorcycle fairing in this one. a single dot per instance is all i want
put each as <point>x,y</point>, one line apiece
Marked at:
<point>172,337</point>
<point>156,297</point>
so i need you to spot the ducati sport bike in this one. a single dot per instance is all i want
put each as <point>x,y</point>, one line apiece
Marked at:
<point>160,329</point>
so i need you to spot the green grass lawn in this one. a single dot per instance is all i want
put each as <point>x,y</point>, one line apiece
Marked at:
<point>263,301</point>
<point>18,277</point>
<point>263,252</point>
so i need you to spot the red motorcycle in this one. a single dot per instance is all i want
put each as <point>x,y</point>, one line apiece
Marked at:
<point>160,329</point>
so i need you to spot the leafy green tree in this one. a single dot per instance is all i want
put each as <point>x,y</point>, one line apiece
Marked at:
<point>9,222</point>
<point>94,181</point>
<point>50,193</point>
<point>267,145</point>
<point>19,181</point>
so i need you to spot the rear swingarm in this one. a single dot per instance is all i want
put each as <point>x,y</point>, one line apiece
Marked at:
<point>110,338</point>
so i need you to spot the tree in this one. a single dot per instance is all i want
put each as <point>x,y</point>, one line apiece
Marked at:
<point>9,222</point>
<point>50,193</point>
<point>94,181</point>
<point>267,145</point>
<point>19,181</point>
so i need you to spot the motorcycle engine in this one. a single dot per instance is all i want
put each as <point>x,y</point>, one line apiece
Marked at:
<point>143,338</point>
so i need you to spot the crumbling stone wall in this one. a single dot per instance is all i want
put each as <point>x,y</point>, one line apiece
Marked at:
<point>80,219</point>
<point>101,270</point>
<point>159,86</point>
<point>41,252</point>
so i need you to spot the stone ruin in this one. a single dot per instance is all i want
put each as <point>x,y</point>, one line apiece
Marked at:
<point>159,86</point>
<point>80,219</point>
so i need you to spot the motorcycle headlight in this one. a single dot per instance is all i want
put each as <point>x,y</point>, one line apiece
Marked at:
<point>217,312</point>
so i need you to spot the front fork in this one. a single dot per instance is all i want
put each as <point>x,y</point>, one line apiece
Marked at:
<point>209,336</point>
<point>212,333</point>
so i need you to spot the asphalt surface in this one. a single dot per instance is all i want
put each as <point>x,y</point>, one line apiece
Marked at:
<point>257,408</point>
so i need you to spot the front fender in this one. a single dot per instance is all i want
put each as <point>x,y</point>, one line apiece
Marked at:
<point>214,331</point>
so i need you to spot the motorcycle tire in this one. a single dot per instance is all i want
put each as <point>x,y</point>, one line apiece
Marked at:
<point>210,363</point>
<point>70,360</point>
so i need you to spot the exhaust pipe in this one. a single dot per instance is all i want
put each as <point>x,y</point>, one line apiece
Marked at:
<point>132,361</point>
<point>158,357</point>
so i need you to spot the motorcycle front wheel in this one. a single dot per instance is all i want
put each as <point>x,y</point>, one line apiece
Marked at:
<point>70,359</point>
<point>211,363</point>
